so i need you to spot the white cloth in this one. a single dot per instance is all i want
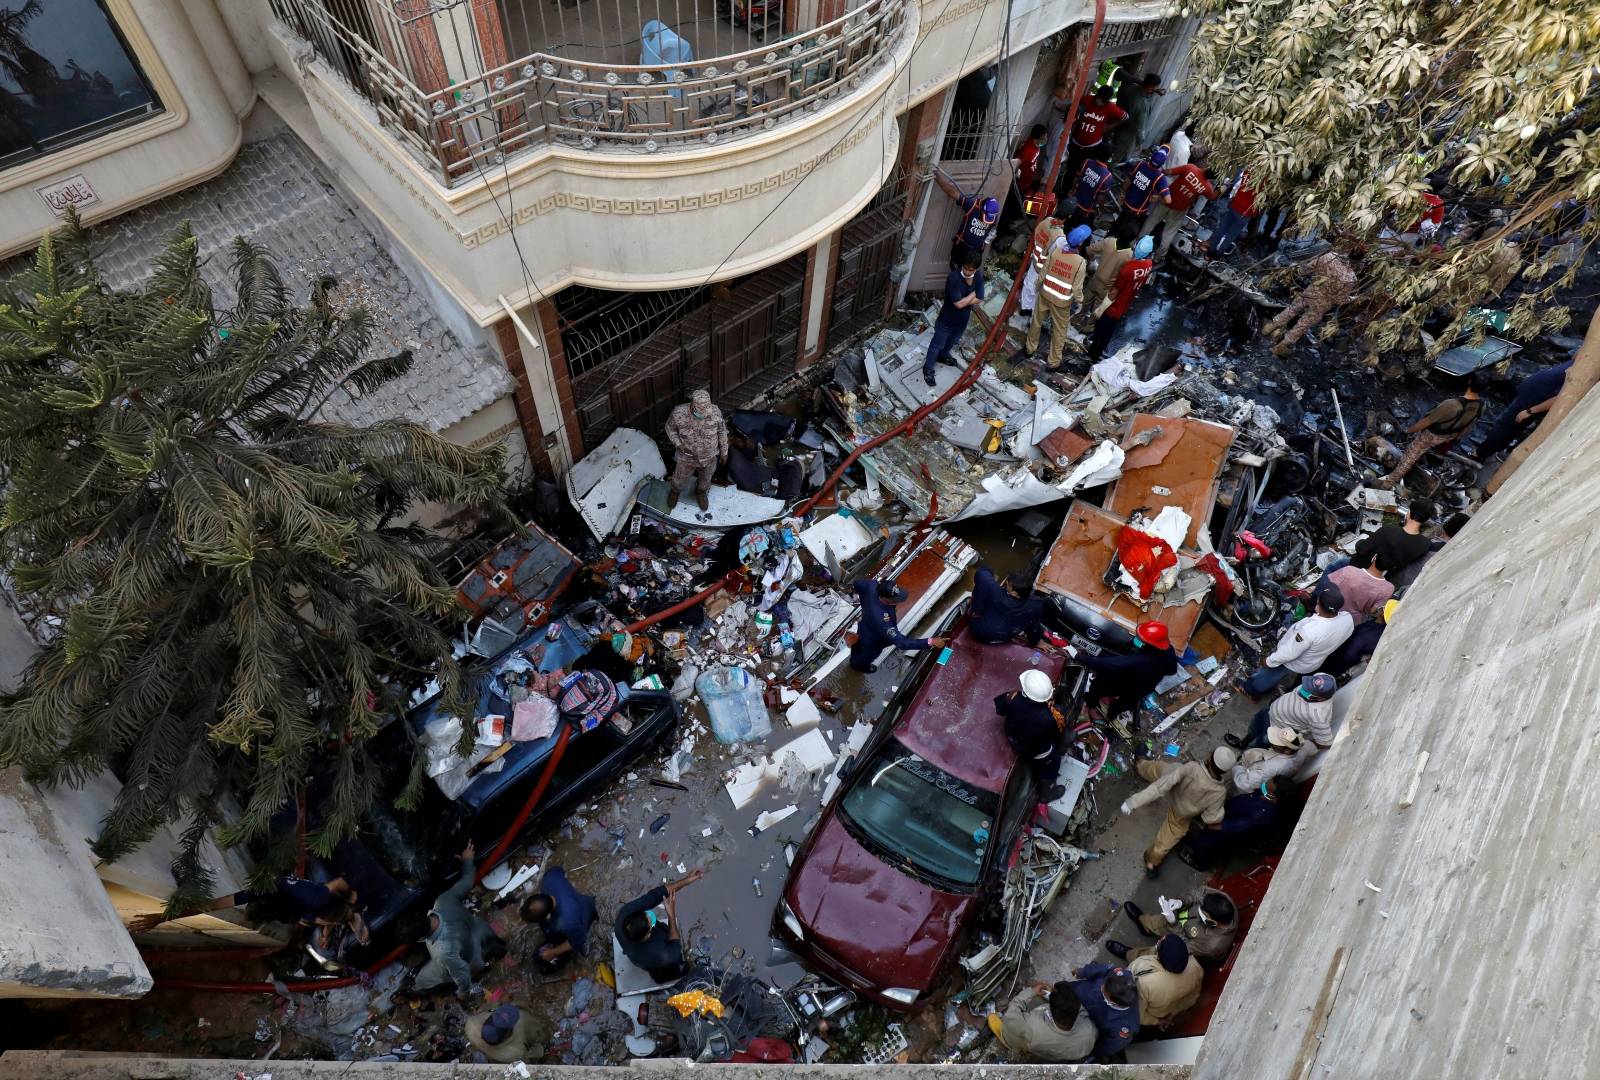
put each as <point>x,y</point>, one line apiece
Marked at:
<point>1181,147</point>
<point>1305,645</point>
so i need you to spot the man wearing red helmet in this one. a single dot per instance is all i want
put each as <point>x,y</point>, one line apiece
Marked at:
<point>1129,677</point>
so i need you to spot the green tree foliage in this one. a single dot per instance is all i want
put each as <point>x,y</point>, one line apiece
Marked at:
<point>225,556</point>
<point>1345,109</point>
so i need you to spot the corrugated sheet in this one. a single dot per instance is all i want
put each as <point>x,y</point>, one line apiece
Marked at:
<point>1478,956</point>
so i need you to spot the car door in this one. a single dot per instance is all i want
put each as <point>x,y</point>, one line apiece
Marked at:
<point>1016,807</point>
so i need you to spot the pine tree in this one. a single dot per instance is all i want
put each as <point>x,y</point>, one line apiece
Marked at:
<point>223,554</point>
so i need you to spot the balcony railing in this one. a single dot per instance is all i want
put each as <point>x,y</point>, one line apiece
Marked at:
<point>437,73</point>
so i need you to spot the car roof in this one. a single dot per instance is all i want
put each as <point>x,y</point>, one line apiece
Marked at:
<point>951,720</point>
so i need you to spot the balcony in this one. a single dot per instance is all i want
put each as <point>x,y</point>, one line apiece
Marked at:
<point>467,84</point>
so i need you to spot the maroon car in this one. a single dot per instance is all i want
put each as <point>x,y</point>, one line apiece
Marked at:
<point>887,887</point>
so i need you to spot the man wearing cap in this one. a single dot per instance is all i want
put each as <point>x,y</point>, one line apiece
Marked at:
<point>1045,1024</point>
<point>1059,291</point>
<point>1111,998</point>
<point>1130,279</point>
<point>1003,610</point>
<point>1362,642</point>
<point>1280,757</point>
<point>1168,982</point>
<point>880,625</point>
<point>503,1036</point>
<point>1307,711</point>
<point>1193,790</point>
<point>1128,677</point>
<point>963,291</point>
<point>699,436</point>
<point>1304,646</point>
<point>564,914</point>
<point>1148,187</point>
<point>980,217</point>
<point>1033,728</point>
<point>1208,922</point>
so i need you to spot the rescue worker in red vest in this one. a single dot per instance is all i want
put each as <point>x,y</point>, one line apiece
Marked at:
<point>1093,184</point>
<point>1147,187</point>
<point>1060,286</point>
<point>1045,234</point>
<point>1098,115</point>
<point>980,217</point>
<point>1130,279</point>
<point>1187,184</point>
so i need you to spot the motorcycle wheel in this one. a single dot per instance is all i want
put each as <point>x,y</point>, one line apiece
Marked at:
<point>1256,612</point>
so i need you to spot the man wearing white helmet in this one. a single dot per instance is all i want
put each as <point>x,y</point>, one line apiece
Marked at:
<point>1033,728</point>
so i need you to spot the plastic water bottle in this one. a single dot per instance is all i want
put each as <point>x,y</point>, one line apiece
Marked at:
<point>755,883</point>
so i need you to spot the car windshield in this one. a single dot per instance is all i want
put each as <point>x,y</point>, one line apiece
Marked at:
<point>921,815</point>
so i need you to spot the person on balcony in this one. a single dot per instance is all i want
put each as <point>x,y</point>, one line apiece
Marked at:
<point>980,219</point>
<point>699,435</point>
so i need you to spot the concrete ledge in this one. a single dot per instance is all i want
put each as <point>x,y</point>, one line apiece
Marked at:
<point>60,1065</point>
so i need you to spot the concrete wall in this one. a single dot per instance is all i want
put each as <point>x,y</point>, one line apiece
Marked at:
<point>61,935</point>
<point>32,1064</point>
<point>185,51</point>
<point>1457,936</point>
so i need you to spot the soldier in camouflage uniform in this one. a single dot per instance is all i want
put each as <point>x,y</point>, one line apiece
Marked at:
<point>1333,282</point>
<point>700,436</point>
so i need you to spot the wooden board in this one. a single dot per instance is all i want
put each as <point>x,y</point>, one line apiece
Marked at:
<point>1077,563</point>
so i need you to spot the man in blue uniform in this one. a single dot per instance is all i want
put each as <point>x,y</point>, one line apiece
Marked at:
<point>1111,999</point>
<point>1146,187</point>
<point>1128,678</point>
<point>1033,729</point>
<point>1001,611</point>
<point>1093,182</point>
<point>980,218</point>
<point>1535,395</point>
<point>880,626</point>
<point>963,291</point>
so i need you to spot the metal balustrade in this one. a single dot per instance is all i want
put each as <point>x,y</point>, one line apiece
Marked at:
<point>441,77</point>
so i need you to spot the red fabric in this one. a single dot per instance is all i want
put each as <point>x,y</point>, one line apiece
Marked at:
<point>1144,556</point>
<point>1433,210</point>
<point>1223,592</point>
<point>1244,197</point>
<point>1130,279</point>
<point>763,1048</point>
<point>1189,182</point>
<point>1028,165</point>
<point>1094,116</point>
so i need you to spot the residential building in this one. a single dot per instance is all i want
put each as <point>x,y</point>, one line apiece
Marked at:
<point>573,212</point>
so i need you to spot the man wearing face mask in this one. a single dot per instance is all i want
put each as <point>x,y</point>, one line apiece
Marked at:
<point>645,940</point>
<point>963,290</point>
<point>699,435</point>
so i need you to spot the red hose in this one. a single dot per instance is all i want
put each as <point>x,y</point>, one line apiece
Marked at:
<point>311,986</point>
<point>732,580</point>
<point>996,331</point>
